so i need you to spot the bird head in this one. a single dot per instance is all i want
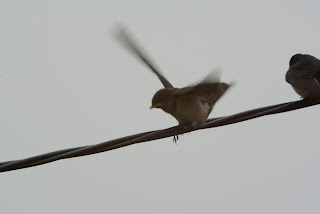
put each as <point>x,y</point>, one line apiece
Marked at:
<point>163,99</point>
<point>294,59</point>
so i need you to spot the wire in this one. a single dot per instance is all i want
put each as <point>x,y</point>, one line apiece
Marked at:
<point>153,135</point>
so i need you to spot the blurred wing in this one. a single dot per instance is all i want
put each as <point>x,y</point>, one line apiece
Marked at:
<point>208,90</point>
<point>126,40</point>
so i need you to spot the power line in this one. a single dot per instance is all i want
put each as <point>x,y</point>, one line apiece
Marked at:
<point>153,135</point>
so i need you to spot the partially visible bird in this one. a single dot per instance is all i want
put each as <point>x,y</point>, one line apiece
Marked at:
<point>304,75</point>
<point>190,105</point>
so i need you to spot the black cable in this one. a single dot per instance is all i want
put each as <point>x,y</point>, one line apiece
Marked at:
<point>153,135</point>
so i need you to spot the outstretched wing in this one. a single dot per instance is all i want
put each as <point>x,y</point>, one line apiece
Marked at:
<point>208,90</point>
<point>128,41</point>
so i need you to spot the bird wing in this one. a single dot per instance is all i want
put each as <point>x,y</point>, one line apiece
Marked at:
<point>208,90</point>
<point>128,41</point>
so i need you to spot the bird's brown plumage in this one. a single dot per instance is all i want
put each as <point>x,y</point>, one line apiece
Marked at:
<point>193,104</point>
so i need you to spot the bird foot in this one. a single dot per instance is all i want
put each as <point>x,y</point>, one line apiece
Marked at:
<point>183,127</point>
<point>175,139</point>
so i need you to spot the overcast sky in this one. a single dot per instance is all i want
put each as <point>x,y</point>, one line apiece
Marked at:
<point>65,82</point>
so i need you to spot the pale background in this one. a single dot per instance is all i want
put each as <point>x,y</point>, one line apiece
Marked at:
<point>65,82</point>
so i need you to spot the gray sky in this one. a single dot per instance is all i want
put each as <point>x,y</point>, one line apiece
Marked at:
<point>65,82</point>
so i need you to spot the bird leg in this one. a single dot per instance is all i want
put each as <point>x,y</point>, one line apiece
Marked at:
<point>183,127</point>
<point>175,139</point>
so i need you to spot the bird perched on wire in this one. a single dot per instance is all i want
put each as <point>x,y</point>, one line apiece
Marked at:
<point>190,105</point>
<point>304,75</point>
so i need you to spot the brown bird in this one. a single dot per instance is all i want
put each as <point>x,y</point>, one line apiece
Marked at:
<point>304,75</point>
<point>190,105</point>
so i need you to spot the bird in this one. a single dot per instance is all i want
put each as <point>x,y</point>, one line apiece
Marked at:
<point>304,75</point>
<point>190,105</point>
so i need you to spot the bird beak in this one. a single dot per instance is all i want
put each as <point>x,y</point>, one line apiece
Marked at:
<point>158,105</point>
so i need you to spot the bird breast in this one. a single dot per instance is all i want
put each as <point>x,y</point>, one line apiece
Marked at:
<point>194,110</point>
